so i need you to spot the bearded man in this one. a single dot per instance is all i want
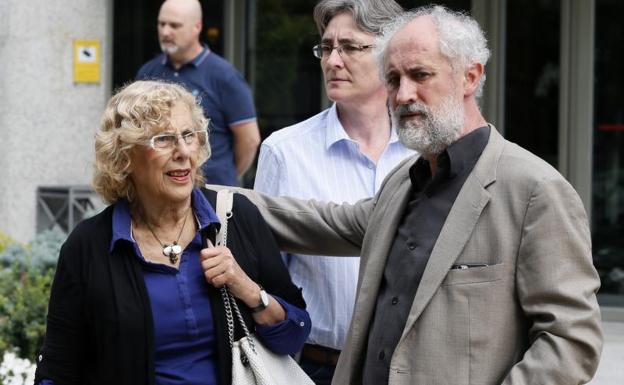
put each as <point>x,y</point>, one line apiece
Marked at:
<point>476,263</point>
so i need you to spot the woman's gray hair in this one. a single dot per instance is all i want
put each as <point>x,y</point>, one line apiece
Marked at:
<point>461,39</point>
<point>369,15</point>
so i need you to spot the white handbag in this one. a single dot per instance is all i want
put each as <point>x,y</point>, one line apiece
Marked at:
<point>252,363</point>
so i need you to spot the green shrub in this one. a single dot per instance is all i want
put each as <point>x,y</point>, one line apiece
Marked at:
<point>26,273</point>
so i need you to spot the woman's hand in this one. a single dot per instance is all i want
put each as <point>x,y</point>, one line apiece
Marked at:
<point>220,268</point>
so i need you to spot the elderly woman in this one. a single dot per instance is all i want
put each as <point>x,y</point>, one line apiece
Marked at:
<point>135,299</point>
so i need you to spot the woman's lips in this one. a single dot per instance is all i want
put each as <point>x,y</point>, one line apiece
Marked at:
<point>179,175</point>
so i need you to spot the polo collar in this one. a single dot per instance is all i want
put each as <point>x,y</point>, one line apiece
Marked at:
<point>195,62</point>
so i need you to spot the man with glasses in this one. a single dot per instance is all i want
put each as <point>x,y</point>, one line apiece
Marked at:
<point>341,154</point>
<point>224,95</point>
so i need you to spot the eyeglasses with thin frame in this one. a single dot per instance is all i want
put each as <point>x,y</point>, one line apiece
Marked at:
<point>165,142</point>
<point>345,50</point>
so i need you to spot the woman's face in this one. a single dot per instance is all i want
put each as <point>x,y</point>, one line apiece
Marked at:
<point>163,177</point>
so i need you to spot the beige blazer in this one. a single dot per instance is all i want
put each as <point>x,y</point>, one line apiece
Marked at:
<point>529,317</point>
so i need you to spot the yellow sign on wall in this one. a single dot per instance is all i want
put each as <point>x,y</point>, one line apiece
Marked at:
<point>87,61</point>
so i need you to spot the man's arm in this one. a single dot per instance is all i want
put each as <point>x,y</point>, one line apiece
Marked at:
<point>312,227</point>
<point>557,284</point>
<point>246,142</point>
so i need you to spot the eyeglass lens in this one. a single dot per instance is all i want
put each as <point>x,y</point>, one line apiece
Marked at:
<point>166,141</point>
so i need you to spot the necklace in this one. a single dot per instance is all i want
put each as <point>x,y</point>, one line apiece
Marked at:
<point>171,250</point>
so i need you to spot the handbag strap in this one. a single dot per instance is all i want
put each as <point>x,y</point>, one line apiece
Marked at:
<point>225,199</point>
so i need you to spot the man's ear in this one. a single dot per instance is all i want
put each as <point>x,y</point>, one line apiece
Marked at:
<point>472,78</point>
<point>198,27</point>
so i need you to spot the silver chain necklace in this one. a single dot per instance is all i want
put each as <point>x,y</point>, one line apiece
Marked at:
<point>171,250</point>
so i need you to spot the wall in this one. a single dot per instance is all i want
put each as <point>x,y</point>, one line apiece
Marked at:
<point>46,121</point>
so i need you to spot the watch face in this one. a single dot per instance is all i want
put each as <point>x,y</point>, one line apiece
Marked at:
<point>264,298</point>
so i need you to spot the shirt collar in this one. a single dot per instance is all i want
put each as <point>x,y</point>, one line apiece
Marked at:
<point>122,221</point>
<point>194,62</point>
<point>465,152</point>
<point>337,133</point>
<point>461,155</point>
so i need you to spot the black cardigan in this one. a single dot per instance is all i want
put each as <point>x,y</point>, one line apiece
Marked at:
<point>99,325</point>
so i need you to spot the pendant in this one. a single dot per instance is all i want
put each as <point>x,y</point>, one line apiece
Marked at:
<point>172,251</point>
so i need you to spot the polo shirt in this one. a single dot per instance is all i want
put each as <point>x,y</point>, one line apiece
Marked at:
<point>225,98</point>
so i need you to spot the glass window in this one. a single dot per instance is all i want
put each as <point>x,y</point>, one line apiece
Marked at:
<point>135,36</point>
<point>286,76</point>
<point>532,76</point>
<point>608,158</point>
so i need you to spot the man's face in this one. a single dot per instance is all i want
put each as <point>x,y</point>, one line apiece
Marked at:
<point>349,76</point>
<point>425,94</point>
<point>178,28</point>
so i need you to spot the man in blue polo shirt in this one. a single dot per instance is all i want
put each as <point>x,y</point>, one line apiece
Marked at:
<point>221,89</point>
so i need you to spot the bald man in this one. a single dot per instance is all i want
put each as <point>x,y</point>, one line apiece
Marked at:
<point>220,88</point>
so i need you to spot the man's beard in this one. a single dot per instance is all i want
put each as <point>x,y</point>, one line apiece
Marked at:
<point>169,48</point>
<point>434,130</point>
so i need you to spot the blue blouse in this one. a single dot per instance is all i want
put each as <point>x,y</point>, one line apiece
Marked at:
<point>184,339</point>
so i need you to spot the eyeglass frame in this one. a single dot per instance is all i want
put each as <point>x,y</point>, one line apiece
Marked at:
<point>151,141</point>
<point>318,53</point>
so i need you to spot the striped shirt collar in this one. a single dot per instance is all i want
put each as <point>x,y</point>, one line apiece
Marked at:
<point>336,132</point>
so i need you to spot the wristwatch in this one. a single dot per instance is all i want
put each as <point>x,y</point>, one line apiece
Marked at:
<point>264,302</point>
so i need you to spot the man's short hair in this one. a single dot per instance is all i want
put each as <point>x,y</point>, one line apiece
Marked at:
<point>369,15</point>
<point>460,38</point>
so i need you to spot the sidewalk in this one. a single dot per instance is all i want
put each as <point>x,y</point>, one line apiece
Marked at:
<point>611,368</point>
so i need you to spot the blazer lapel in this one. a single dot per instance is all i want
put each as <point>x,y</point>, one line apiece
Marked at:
<point>458,226</point>
<point>380,235</point>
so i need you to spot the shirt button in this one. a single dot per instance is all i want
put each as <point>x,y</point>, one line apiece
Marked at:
<point>411,246</point>
<point>302,324</point>
<point>371,166</point>
<point>395,300</point>
<point>40,358</point>
<point>382,355</point>
<point>176,74</point>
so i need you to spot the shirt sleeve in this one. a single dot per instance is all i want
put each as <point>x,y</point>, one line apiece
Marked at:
<point>289,335</point>
<point>61,357</point>
<point>238,105</point>
<point>271,177</point>
<point>270,173</point>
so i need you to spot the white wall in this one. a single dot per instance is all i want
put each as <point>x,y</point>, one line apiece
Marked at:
<point>46,121</point>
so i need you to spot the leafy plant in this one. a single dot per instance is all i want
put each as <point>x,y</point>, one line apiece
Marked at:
<point>26,273</point>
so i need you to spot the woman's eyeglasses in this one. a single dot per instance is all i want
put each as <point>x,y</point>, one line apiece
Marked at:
<point>193,139</point>
<point>345,50</point>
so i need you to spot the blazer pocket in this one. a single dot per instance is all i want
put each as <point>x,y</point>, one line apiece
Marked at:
<point>478,274</point>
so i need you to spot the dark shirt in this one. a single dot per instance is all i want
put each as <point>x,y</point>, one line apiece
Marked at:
<point>430,202</point>
<point>225,98</point>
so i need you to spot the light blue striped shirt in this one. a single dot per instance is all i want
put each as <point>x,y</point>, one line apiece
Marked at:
<point>317,159</point>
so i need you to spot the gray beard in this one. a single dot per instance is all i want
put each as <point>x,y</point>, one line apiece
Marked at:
<point>169,50</point>
<point>434,131</point>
